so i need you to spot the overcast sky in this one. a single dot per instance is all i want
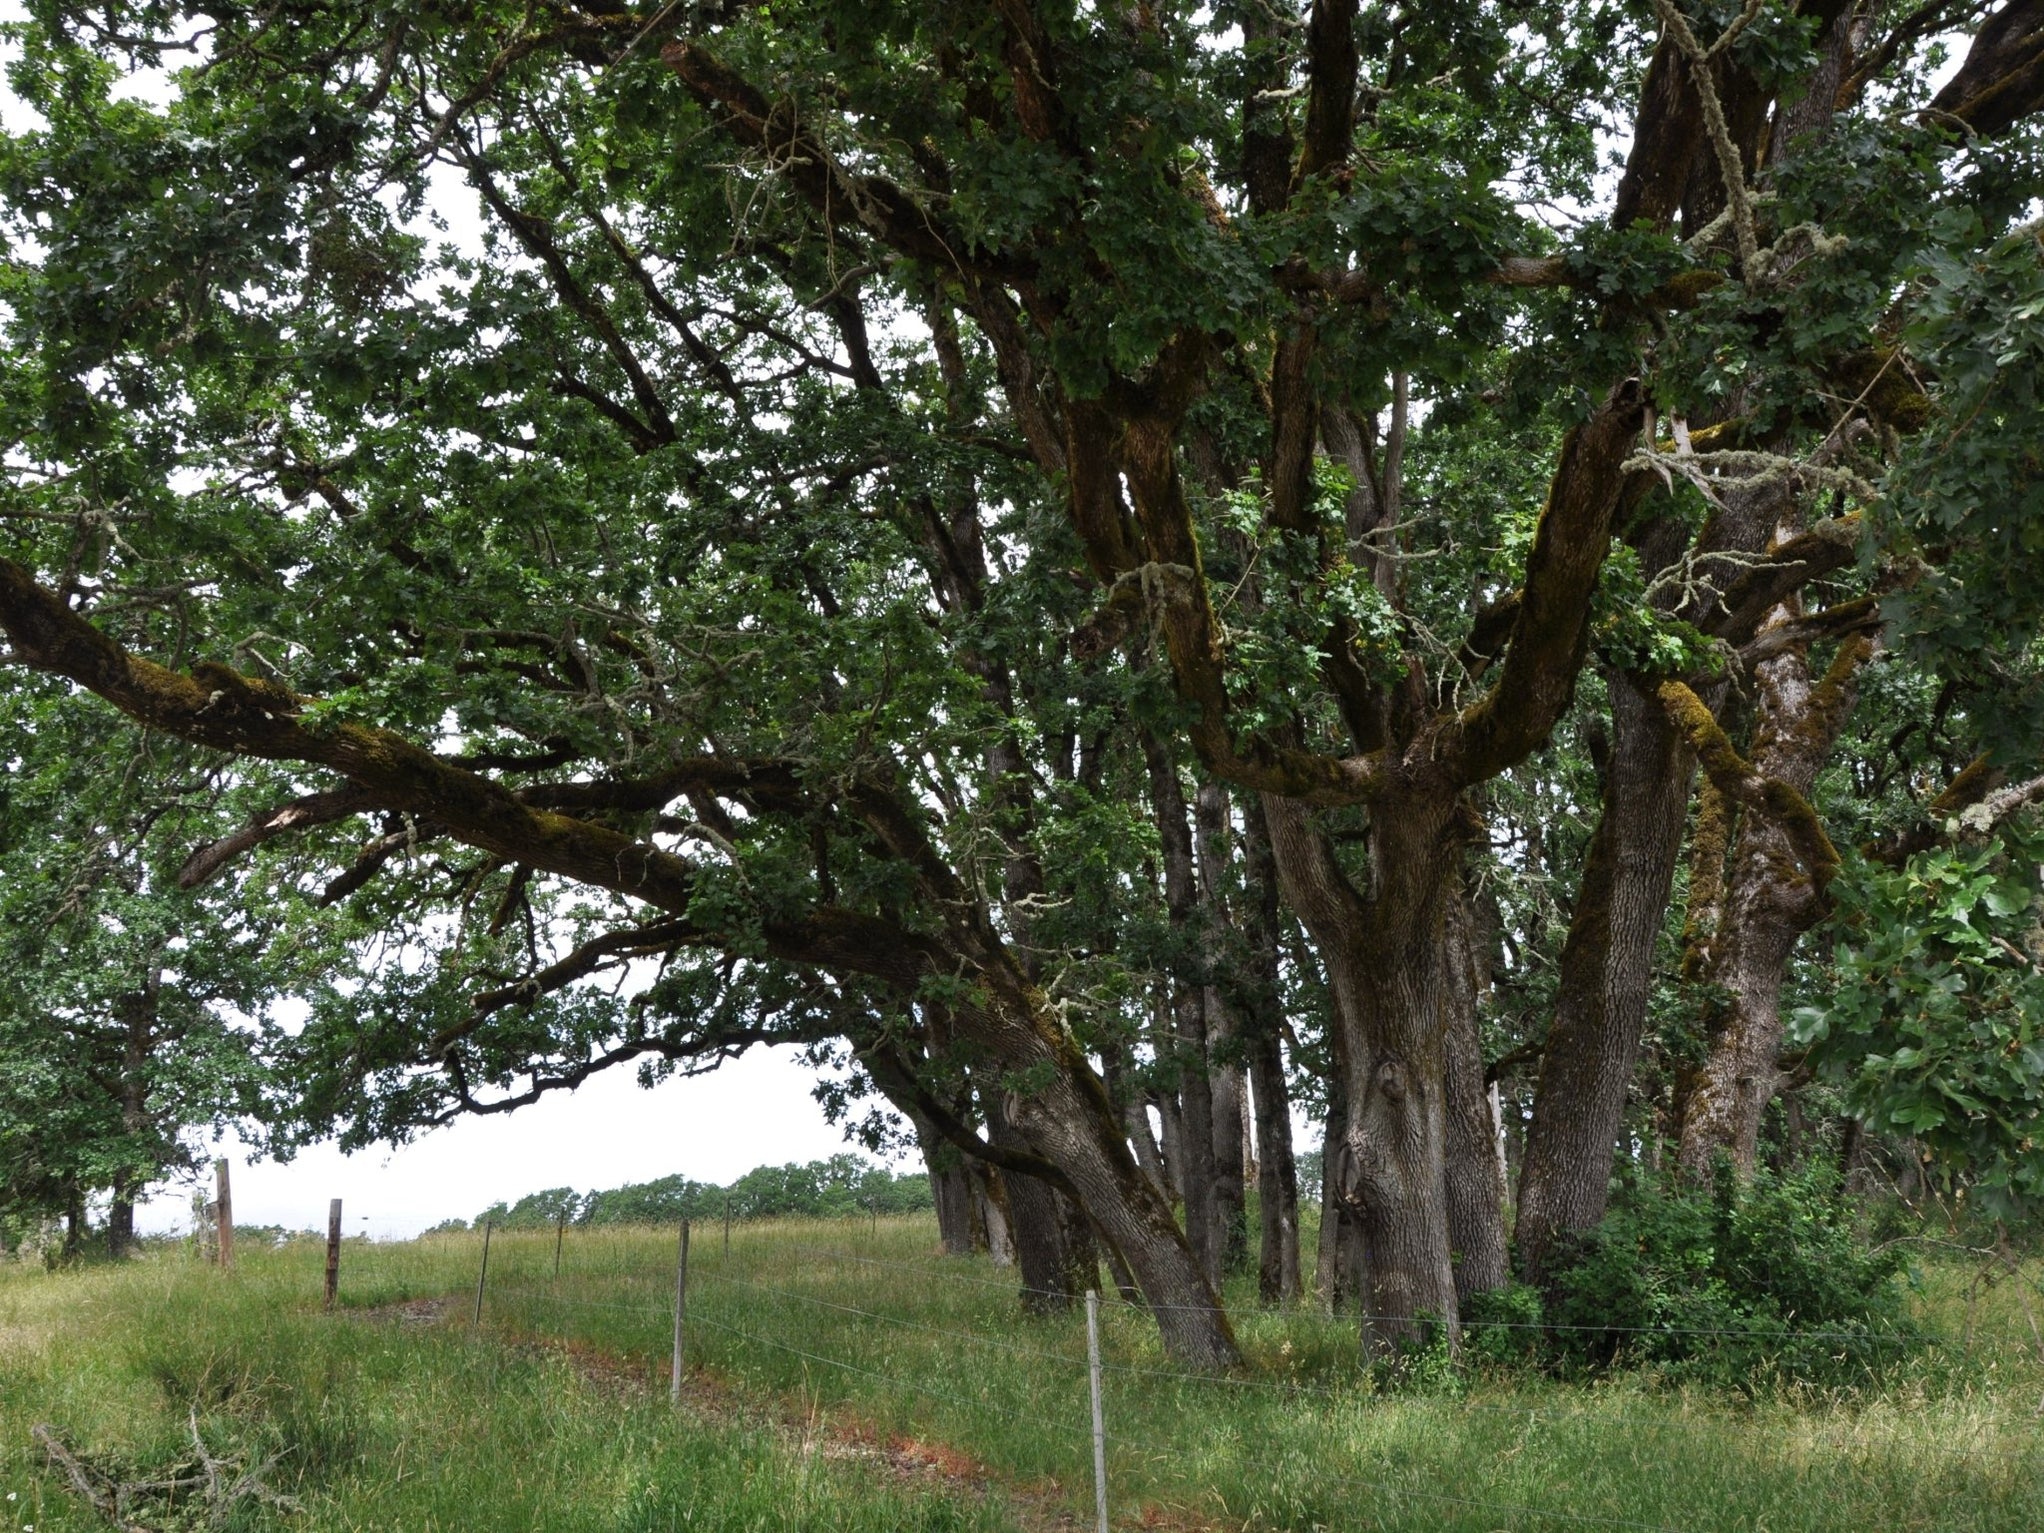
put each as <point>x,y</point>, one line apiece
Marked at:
<point>755,1112</point>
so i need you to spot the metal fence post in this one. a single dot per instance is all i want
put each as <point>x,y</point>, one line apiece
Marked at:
<point>1099,1420</point>
<point>484,1275</point>
<point>680,1310</point>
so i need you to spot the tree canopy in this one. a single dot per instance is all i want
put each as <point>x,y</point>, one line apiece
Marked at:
<point>1017,546</point>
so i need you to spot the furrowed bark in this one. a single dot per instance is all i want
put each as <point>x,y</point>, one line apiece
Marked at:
<point>1278,1278</point>
<point>1773,895</point>
<point>1607,968</point>
<point>1224,1043</point>
<point>1475,1180</point>
<point>1385,959</point>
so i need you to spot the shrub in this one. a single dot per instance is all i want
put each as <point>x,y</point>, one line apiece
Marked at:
<point>1729,1283</point>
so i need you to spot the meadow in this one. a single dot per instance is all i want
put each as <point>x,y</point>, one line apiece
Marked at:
<point>841,1374</point>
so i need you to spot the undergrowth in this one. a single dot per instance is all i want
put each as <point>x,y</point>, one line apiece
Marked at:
<point>868,1335</point>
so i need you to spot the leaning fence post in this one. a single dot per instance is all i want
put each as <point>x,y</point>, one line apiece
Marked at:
<point>1099,1421</point>
<point>483,1276</point>
<point>333,1251</point>
<point>223,1222</point>
<point>680,1309</point>
<point>560,1229</point>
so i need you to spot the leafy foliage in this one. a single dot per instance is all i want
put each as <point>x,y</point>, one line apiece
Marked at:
<point>1933,1019</point>
<point>1724,1284</point>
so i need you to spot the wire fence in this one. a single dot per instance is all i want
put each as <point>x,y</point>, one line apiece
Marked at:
<point>718,1291</point>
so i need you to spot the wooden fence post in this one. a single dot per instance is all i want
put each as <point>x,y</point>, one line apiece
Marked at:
<point>223,1221</point>
<point>483,1276</point>
<point>333,1252</point>
<point>1099,1420</point>
<point>560,1230</point>
<point>680,1310</point>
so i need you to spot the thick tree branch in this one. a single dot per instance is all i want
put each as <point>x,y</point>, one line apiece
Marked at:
<point>1551,629</point>
<point>1825,548</point>
<point>1734,777</point>
<point>312,809</point>
<point>2002,79</point>
<point>1331,64</point>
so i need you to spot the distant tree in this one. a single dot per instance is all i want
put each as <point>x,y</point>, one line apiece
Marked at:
<point>556,1205</point>
<point>127,1032</point>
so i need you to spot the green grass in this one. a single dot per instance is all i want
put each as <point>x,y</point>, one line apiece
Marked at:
<point>499,1431</point>
<point>389,1425</point>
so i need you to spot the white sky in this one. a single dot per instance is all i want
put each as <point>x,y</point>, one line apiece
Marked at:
<point>754,1112</point>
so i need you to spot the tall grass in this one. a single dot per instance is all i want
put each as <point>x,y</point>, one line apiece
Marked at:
<point>1302,1439</point>
<point>864,1332</point>
<point>381,1422</point>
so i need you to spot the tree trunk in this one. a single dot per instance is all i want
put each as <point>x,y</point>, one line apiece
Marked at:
<point>1607,970</point>
<point>1770,901</point>
<point>138,1013</point>
<point>1386,958</point>
<point>1116,1070</point>
<point>1061,1130</point>
<point>1277,1172</point>
<point>991,1206</point>
<point>1188,1057</point>
<point>1071,1122</point>
<point>1224,1048</point>
<point>74,1225</point>
<point>120,1218</point>
<point>1476,1188</point>
<point>1327,1266</point>
<point>951,1190</point>
<point>1037,1219</point>
<point>1231,1152</point>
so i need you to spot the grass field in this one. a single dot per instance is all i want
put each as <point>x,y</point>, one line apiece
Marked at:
<point>843,1376</point>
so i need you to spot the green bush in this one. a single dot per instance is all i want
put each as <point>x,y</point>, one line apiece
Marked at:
<point>1727,1284</point>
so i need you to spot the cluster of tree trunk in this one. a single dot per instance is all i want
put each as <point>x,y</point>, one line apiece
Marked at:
<point>1351,809</point>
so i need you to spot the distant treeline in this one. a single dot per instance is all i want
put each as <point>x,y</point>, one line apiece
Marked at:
<point>841,1186</point>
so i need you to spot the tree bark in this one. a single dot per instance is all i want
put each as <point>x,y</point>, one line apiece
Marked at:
<point>1194,1155</point>
<point>1116,1070</point>
<point>1771,898</point>
<point>1224,1048</point>
<point>120,1218</point>
<point>990,1204</point>
<point>1277,1173</point>
<point>1607,968</point>
<point>1475,1183</point>
<point>1386,961</point>
<point>138,1013</point>
<point>1340,1269</point>
<point>74,1224</point>
<point>952,1191</point>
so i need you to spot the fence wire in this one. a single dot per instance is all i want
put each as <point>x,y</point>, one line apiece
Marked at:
<point>714,1275</point>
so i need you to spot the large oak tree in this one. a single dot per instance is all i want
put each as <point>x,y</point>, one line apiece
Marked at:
<point>871,454</point>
